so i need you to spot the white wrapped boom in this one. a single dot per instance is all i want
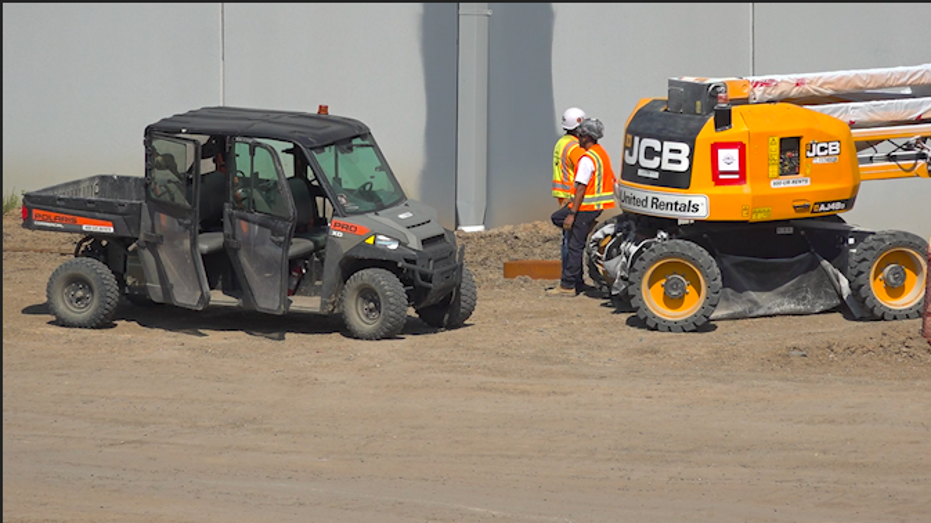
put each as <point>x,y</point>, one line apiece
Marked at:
<point>782,87</point>
<point>880,111</point>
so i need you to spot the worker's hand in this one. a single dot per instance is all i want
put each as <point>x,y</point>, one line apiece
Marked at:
<point>567,223</point>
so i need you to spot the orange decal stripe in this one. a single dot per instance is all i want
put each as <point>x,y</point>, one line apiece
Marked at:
<point>351,228</point>
<point>67,219</point>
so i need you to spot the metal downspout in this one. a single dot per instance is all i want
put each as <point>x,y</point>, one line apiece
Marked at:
<point>472,117</point>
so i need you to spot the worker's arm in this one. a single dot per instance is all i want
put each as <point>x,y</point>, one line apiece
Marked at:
<point>583,175</point>
<point>576,202</point>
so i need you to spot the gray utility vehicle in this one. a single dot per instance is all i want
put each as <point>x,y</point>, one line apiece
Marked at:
<point>271,211</point>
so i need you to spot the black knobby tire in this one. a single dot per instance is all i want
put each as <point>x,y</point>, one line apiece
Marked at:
<point>675,286</point>
<point>454,311</point>
<point>374,304</point>
<point>888,271</point>
<point>83,292</point>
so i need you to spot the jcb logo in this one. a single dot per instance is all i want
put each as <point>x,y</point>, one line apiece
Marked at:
<point>651,153</point>
<point>816,149</point>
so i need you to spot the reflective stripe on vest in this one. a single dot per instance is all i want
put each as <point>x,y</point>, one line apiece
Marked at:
<point>565,155</point>
<point>599,193</point>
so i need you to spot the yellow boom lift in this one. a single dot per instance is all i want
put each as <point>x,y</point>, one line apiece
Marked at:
<point>732,190</point>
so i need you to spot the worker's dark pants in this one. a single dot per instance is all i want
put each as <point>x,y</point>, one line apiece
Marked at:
<point>571,277</point>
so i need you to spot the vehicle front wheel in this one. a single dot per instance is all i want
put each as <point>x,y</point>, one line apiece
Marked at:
<point>453,311</point>
<point>83,292</point>
<point>675,286</point>
<point>888,274</point>
<point>374,304</point>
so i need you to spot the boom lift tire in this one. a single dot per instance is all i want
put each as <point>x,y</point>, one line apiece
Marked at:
<point>888,272</point>
<point>84,293</point>
<point>675,286</point>
<point>452,312</point>
<point>374,304</point>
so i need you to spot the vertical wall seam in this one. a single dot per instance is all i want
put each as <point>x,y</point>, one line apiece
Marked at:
<point>752,39</point>
<point>222,54</point>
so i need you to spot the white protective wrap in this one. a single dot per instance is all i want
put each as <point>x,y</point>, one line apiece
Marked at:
<point>878,112</point>
<point>782,87</point>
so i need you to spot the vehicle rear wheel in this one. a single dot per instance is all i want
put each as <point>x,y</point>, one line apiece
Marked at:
<point>675,286</point>
<point>453,311</point>
<point>888,272</point>
<point>83,292</point>
<point>374,304</point>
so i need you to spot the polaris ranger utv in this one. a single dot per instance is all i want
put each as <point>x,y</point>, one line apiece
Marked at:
<point>270,211</point>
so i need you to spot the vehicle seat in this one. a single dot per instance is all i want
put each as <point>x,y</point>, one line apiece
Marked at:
<point>209,242</point>
<point>213,194</point>
<point>306,239</point>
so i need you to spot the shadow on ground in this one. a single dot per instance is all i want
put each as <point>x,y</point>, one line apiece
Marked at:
<point>227,318</point>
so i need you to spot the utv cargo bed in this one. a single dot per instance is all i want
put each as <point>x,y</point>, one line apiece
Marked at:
<point>105,204</point>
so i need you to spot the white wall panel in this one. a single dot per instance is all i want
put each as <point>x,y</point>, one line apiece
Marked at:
<point>608,56</point>
<point>362,60</point>
<point>81,82</point>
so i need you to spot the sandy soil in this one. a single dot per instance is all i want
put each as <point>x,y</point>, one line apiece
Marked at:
<point>225,416</point>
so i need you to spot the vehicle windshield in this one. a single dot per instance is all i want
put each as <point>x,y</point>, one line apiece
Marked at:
<point>359,175</point>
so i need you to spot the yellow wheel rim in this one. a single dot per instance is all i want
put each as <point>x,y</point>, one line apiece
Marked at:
<point>673,289</point>
<point>897,278</point>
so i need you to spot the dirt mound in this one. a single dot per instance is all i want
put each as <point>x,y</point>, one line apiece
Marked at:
<point>486,252</point>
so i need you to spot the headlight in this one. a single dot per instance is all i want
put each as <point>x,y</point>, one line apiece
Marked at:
<point>386,241</point>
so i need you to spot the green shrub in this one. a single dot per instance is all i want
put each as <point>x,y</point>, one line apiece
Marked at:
<point>11,203</point>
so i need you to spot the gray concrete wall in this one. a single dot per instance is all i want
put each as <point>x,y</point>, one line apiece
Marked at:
<point>364,61</point>
<point>81,81</point>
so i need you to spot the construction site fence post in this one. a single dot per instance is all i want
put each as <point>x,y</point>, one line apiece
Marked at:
<point>926,324</point>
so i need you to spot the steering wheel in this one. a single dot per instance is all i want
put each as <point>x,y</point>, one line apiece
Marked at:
<point>366,187</point>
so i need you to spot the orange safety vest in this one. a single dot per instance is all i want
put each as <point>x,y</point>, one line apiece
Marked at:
<point>566,157</point>
<point>599,193</point>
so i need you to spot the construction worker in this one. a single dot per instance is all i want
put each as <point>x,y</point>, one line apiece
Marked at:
<point>566,155</point>
<point>593,183</point>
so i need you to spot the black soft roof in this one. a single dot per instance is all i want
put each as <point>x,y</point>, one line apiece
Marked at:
<point>307,129</point>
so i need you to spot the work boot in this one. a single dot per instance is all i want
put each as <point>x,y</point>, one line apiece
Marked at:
<point>560,291</point>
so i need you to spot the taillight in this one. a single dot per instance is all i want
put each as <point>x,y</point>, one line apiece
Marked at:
<point>25,213</point>
<point>729,163</point>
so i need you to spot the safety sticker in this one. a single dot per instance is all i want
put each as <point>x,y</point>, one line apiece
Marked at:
<point>789,182</point>
<point>762,213</point>
<point>773,157</point>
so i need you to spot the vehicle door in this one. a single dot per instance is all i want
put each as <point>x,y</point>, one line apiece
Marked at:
<point>259,225</point>
<point>167,247</point>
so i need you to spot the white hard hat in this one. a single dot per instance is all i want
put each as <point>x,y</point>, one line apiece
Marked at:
<point>572,118</point>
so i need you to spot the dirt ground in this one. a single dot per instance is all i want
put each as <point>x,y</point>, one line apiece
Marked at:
<point>544,410</point>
